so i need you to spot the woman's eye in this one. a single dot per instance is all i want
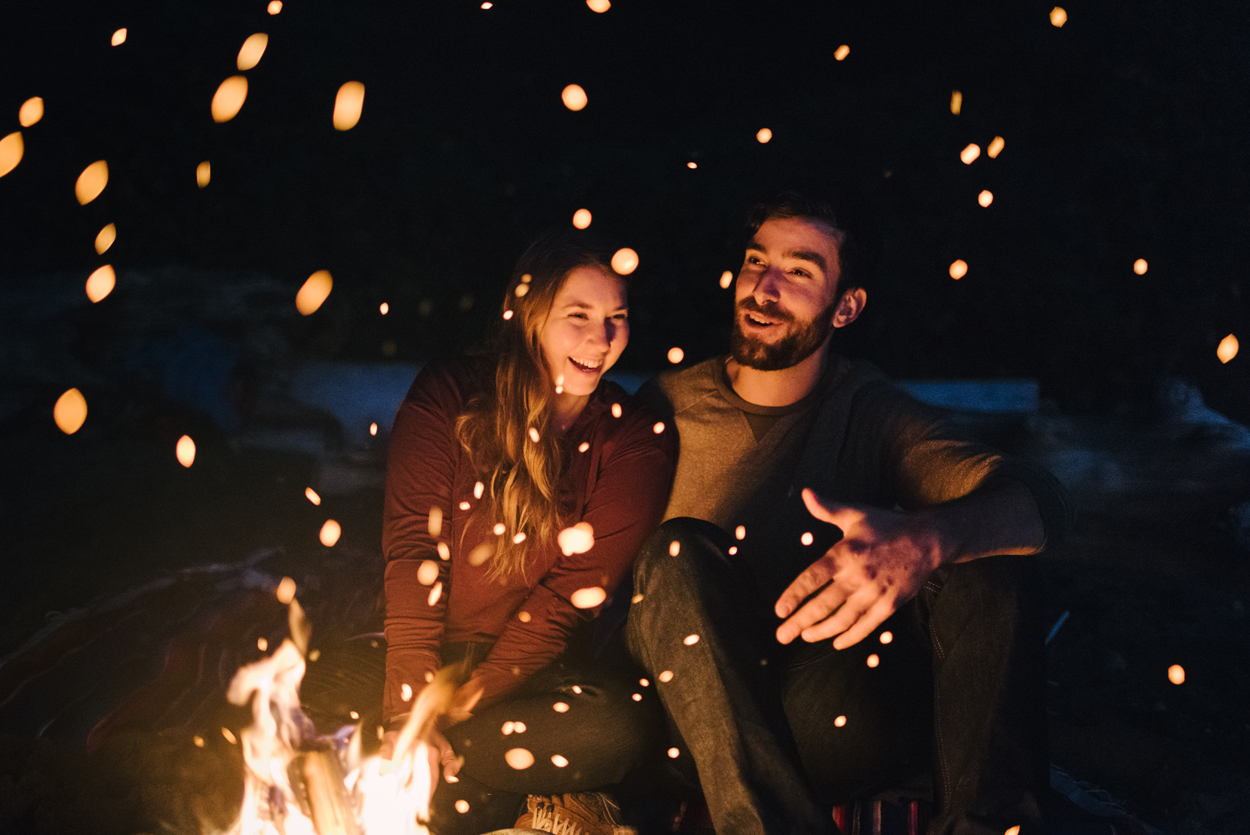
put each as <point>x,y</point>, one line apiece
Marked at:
<point>578,316</point>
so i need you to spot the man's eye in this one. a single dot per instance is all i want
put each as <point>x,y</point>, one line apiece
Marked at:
<point>621,317</point>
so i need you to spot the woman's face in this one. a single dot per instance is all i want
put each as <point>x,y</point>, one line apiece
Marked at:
<point>586,330</point>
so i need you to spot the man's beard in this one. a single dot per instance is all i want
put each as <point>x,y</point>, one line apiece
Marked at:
<point>797,345</point>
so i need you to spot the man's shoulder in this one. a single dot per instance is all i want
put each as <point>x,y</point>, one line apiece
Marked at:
<point>672,392</point>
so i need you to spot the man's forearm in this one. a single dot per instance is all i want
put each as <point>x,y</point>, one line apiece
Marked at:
<point>999,517</point>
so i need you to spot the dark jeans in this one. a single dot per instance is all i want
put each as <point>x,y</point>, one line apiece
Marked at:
<point>781,734</point>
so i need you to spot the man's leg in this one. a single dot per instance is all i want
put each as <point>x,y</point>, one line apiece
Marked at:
<point>701,633</point>
<point>991,763</point>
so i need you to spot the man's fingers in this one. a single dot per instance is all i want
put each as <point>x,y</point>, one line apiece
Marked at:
<point>854,607</point>
<point>813,611</point>
<point>866,624</point>
<point>812,578</point>
<point>844,516</point>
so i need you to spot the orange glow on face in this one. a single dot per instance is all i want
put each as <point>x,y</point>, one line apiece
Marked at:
<point>252,50</point>
<point>581,218</point>
<point>574,97</point>
<point>959,269</point>
<point>105,239</point>
<point>996,147</point>
<point>384,308</point>
<point>229,98</point>
<point>91,182</point>
<point>119,37</point>
<point>726,279</point>
<point>985,198</point>
<point>676,355</point>
<point>625,261</point>
<point>275,6</point>
<point>763,136</point>
<point>841,53</point>
<point>1140,266</point>
<point>1227,349</point>
<point>203,173</point>
<point>314,292</point>
<point>185,451</point>
<point>1058,17</point>
<point>330,533</point>
<point>599,6</point>
<point>519,758</point>
<point>1176,674</point>
<point>100,283</point>
<point>11,149</point>
<point>839,722</point>
<point>31,112</point>
<point>70,411</point>
<point>588,598</point>
<point>311,495</point>
<point>970,153</point>
<point>348,104</point>
<point>957,101</point>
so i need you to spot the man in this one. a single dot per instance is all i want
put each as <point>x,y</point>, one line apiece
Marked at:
<point>832,607</point>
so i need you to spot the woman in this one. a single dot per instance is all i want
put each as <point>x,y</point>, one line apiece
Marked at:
<point>490,459</point>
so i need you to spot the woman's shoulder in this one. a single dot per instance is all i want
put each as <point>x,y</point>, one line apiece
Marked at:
<point>622,420</point>
<point>455,379</point>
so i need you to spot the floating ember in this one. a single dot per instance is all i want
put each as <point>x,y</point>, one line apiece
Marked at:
<point>957,101</point>
<point>31,112</point>
<point>70,411</point>
<point>996,147</point>
<point>581,218</point>
<point>91,182</point>
<point>625,261</point>
<point>1058,17</point>
<point>314,292</point>
<point>185,451</point>
<point>105,238</point>
<point>1140,266</point>
<point>119,37</point>
<point>348,104</point>
<point>574,97</point>
<point>1227,348</point>
<point>841,53</point>
<point>229,98</point>
<point>599,6</point>
<point>11,149</point>
<point>203,173</point>
<point>252,50</point>
<point>763,136</point>
<point>100,283</point>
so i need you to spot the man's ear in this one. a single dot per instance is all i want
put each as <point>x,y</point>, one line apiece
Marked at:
<point>850,307</point>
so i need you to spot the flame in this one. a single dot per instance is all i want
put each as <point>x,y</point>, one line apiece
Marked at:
<point>1227,348</point>
<point>203,173</point>
<point>726,278</point>
<point>996,147</point>
<point>1140,266</point>
<point>599,6</point>
<point>985,198</point>
<point>666,676</point>
<point>581,218</point>
<point>252,50</point>
<point>275,7</point>
<point>957,101</point>
<point>1058,17</point>
<point>574,97</point>
<point>970,153</point>
<point>105,239</point>
<point>763,135</point>
<point>577,539</point>
<point>887,637</point>
<point>1012,830</point>
<point>959,269</point>
<point>690,640</point>
<point>312,495</point>
<point>330,533</point>
<point>70,411</point>
<point>839,722</point>
<point>348,103</point>
<point>185,451</point>
<point>314,292</point>
<point>31,112</point>
<point>11,149</point>
<point>229,98</point>
<point>625,261</point>
<point>100,283</point>
<point>119,37</point>
<point>676,355</point>
<point>91,181</point>
<point>841,53</point>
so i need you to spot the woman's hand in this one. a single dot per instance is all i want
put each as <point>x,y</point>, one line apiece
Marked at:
<point>438,749</point>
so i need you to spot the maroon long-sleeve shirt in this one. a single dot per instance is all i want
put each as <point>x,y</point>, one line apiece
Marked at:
<point>619,485</point>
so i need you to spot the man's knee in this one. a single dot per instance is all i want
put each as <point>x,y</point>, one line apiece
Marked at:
<point>679,549</point>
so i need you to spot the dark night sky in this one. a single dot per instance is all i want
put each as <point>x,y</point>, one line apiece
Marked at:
<point>1125,137</point>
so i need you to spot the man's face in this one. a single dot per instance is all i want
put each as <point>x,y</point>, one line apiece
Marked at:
<point>786,293</point>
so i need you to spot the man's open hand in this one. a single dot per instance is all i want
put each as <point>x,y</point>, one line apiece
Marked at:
<point>883,559</point>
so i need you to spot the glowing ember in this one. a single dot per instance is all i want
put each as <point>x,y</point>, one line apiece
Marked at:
<point>486,5</point>
<point>583,446</point>
<point>1012,830</point>
<point>105,239</point>
<point>262,644</point>
<point>348,103</point>
<point>1140,266</point>
<point>644,682</point>
<point>311,495</point>
<point>886,637</point>
<point>1227,348</point>
<point>637,697</point>
<point>1058,17</point>
<point>676,355</point>
<point>405,692</point>
<point>463,505</point>
<point>637,598</point>
<point>763,136</point>
<point>507,314</point>
<point>807,538</point>
<point>733,549</point>
<point>478,490</point>
<point>996,147</point>
<point>384,308</point>
<point>275,7</point>
<point>874,660</point>
<point>839,722</point>
<point>588,598</point>
<point>203,173</point>
<point>577,689</point>
<point>100,283</point>
<point>666,676</point>
<point>574,97</point>
<point>674,548</point>
<point>690,640</point>
<point>435,593</point>
<point>521,290</point>
<point>330,533</point>
<point>534,436</point>
<point>692,165</point>
<point>985,198</point>
<point>373,429</point>
<point>434,521</point>
<point>499,529</point>
<point>286,591</point>
<point>658,428</point>
<point>616,410</point>
<point>599,6</point>
<point>517,539</point>
<point>185,451</point>
<point>577,539</point>
<point>70,411</point>
<point>560,707</point>
<point>673,753</point>
<point>229,98</point>
<point>119,37</point>
<point>970,153</point>
<point>959,269</point>
<point>519,758</point>
<point>444,551</point>
<point>252,50</point>
<point>31,112</point>
<point>229,735</point>
<point>427,573</point>
<point>957,101</point>
<point>11,149</point>
<point>559,761</point>
<point>198,740</point>
<point>726,278</point>
<point>462,806</point>
<point>625,261</point>
<point>740,532</point>
<point>841,53</point>
<point>523,617</point>
<point>314,292</point>
<point>91,181</point>
<point>581,218</point>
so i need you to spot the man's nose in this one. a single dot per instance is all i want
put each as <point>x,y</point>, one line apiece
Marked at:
<point>766,287</point>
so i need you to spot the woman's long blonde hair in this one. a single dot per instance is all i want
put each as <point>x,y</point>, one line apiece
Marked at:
<point>522,475</point>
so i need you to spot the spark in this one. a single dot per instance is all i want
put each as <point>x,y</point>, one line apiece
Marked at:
<point>427,572</point>
<point>839,722</point>
<point>198,740</point>
<point>666,676</point>
<point>577,689</point>
<point>405,692</point>
<point>478,489</point>
<point>435,594</point>
<point>957,101</point>
<point>582,218</point>
<point>874,660</point>
<point>384,308</point>
<point>558,761</point>
<point>692,165</point>
<point>674,753</point>
<point>229,98</point>
<point>464,505</point>
<point>1012,830</point>
<point>105,238</point>
<point>588,598</point>
<point>518,538</point>
<point>1058,17</point>
<point>576,539</point>
<point>763,135</point>
<point>658,428</point>
<point>886,637</point>
<point>348,103</point>
<point>726,278</point>
<point>985,198</point>
<point>733,549</point>
<point>119,37</point>
<point>100,283</point>
<point>616,410</point>
<point>807,538</point>
<point>644,682</point>
<point>30,112</point>
<point>996,147</point>
<point>499,529</point>
<point>487,5</point>
<point>373,429</point>
<point>523,617</point>
<point>674,548</point>
<point>599,6</point>
<point>841,53</point>
<point>330,533</point>
<point>519,758</point>
<point>574,97</point>
<point>625,261</point>
<point>534,436</point>
<point>262,644</point>
<point>286,591</point>
<point>560,707</point>
<point>959,269</point>
<point>314,292</point>
<point>185,451</point>
<point>690,640</point>
<point>970,153</point>
<point>314,655</point>
<point>1140,266</point>
<point>434,521</point>
<point>740,532</point>
<point>230,737</point>
<point>274,7</point>
<point>203,173</point>
<point>507,314</point>
<point>508,728</point>
<point>637,598</point>
<point>311,495</point>
<point>1227,348</point>
<point>521,290</point>
<point>91,181</point>
<point>252,50</point>
<point>637,697</point>
<point>11,149</point>
<point>676,355</point>
<point>70,411</point>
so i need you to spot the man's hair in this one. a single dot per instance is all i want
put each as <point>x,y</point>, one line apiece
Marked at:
<point>841,208</point>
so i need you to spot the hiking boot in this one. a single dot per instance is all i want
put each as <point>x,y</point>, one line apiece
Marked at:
<point>581,813</point>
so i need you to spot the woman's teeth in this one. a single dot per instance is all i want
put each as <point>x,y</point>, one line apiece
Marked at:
<point>586,365</point>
